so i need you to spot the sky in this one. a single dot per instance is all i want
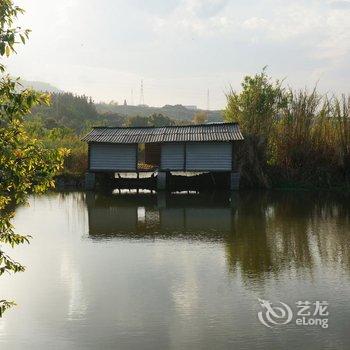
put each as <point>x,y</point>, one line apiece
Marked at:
<point>182,48</point>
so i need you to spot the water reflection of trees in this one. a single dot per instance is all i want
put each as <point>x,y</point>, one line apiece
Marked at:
<point>247,248</point>
<point>263,234</point>
<point>279,231</point>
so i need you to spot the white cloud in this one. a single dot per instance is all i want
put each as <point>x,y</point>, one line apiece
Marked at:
<point>104,47</point>
<point>254,23</point>
<point>340,4</point>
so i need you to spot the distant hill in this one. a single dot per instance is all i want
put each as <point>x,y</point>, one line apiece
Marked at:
<point>178,112</point>
<point>107,110</point>
<point>40,86</point>
<point>72,110</point>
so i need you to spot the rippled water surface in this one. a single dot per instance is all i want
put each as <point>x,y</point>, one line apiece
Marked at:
<point>180,271</point>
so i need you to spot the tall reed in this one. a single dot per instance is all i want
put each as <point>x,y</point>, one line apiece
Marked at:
<point>305,136</point>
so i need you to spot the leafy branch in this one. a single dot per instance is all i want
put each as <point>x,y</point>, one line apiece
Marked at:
<point>26,166</point>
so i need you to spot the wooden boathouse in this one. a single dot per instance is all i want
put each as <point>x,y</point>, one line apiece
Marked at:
<point>191,148</point>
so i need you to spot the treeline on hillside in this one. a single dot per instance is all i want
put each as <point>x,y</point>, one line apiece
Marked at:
<point>79,114</point>
<point>72,111</point>
<point>292,139</point>
<point>177,112</point>
<point>68,117</point>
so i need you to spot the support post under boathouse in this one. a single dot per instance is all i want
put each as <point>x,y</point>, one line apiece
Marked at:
<point>205,148</point>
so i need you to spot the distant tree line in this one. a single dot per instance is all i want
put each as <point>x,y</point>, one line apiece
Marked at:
<point>63,122</point>
<point>79,114</point>
<point>177,112</point>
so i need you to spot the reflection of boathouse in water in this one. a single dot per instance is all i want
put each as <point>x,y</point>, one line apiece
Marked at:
<point>193,149</point>
<point>147,213</point>
<point>261,233</point>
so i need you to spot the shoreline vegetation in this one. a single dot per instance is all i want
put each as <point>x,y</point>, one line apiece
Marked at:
<point>293,139</point>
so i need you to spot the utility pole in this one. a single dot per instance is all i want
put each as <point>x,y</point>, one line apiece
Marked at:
<point>125,108</point>
<point>208,100</point>
<point>142,97</point>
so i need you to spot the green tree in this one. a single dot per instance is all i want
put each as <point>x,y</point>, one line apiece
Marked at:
<point>50,123</point>
<point>257,105</point>
<point>256,108</point>
<point>158,119</point>
<point>200,117</point>
<point>136,121</point>
<point>67,109</point>
<point>25,165</point>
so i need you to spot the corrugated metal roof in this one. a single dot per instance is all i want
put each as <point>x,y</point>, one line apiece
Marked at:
<point>188,133</point>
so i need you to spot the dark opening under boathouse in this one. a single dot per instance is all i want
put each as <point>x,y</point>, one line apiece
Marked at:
<point>206,148</point>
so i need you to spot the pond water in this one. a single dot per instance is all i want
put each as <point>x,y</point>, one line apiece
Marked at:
<point>180,271</point>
